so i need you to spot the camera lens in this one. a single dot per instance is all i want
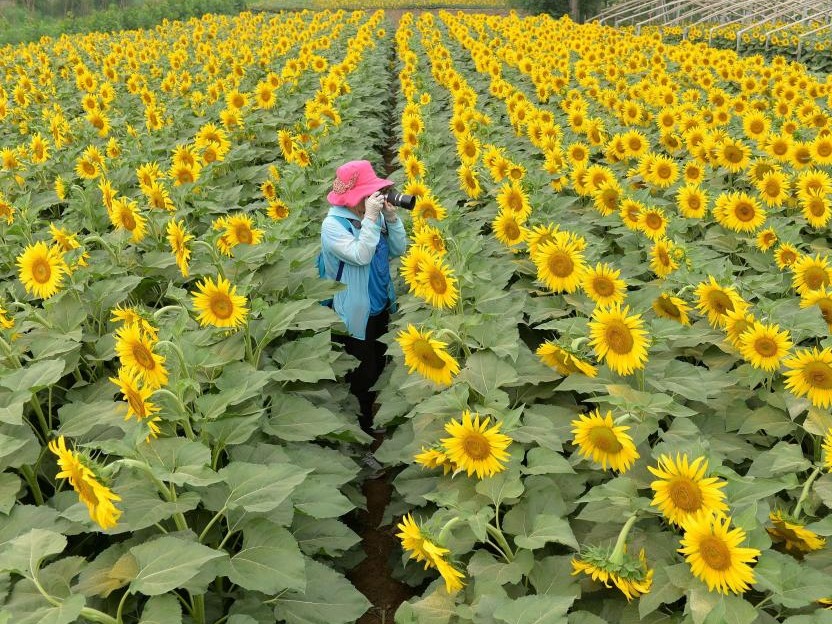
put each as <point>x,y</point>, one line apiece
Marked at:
<point>408,202</point>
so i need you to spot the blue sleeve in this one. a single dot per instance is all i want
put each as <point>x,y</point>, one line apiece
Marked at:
<point>343,245</point>
<point>396,238</point>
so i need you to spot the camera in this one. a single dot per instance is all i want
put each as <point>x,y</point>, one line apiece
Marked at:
<point>399,199</point>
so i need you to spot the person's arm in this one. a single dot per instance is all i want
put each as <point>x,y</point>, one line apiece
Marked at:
<point>344,246</point>
<point>396,238</point>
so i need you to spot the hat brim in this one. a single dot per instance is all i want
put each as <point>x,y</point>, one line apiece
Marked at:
<point>352,197</point>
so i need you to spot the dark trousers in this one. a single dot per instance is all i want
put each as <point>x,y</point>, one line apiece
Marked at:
<point>371,355</point>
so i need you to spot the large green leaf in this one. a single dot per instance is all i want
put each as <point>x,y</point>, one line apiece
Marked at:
<point>34,376</point>
<point>164,609</point>
<point>169,562</point>
<point>793,585</point>
<point>258,488</point>
<point>538,609</point>
<point>25,553</point>
<point>269,561</point>
<point>485,372</point>
<point>329,599</point>
<point>296,419</point>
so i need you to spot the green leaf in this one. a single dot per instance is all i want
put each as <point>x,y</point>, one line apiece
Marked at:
<point>538,609</point>
<point>323,536</point>
<point>486,373</point>
<point>169,562</point>
<point>11,406</point>
<point>179,461</point>
<point>112,569</point>
<point>545,461</point>
<point>270,560</point>
<point>9,486</point>
<point>295,419</point>
<point>503,485</point>
<point>34,377</point>
<point>25,553</point>
<point>329,599</point>
<point>64,613</point>
<point>792,584</point>
<point>259,488</point>
<point>546,528</point>
<point>306,359</point>
<point>163,609</point>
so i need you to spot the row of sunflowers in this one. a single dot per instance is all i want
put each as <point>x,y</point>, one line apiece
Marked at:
<point>176,443</point>
<point>613,365</point>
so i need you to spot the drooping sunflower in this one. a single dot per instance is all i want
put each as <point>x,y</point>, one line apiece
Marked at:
<point>673,308</point>
<point>436,283</point>
<point>811,274</point>
<point>713,551</point>
<point>662,260</point>
<point>435,458</point>
<point>42,269</point>
<point>469,181</point>
<point>427,356</point>
<point>178,239</point>
<point>631,576</point>
<point>219,304</point>
<point>474,447</point>
<point>564,361</point>
<point>716,301</point>
<point>603,285</point>
<point>794,536</point>
<point>811,375</point>
<point>827,450</point>
<point>598,438</point>
<point>683,492</point>
<point>764,346</point>
<point>134,348</point>
<point>97,497</point>
<point>138,399</point>
<point>560,265</point>
<point>423,548</point>
<point>619,339</point>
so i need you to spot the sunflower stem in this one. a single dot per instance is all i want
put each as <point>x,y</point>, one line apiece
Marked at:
<point>180,355</point>
<point>497,534</point>
<point>10,355</point>
<point>211,523</point>
<point>186,417</point>
<point>198,608</point>
<point>120,609</point>
<point>443,534</point>
<point>805,492</point>
<point>32,481</point>
<point>160,311</point>
<point>41,418</point>
<point>617,556</point>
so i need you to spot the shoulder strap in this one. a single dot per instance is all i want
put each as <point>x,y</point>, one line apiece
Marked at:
<point>347,223</point>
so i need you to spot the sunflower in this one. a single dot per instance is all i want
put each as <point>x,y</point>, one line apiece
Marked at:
<point>512,198</point>
<point>742,212</point>
<point>715,556</point>
<point>178,239</point>
<point>692,201</point>
<point>237,229</point>
<point>436,283</point>
<point>823,300</point>
<point>631,576</point>
<point>766,239</point>
<point>97,497</point>
<point>733,154</point>
<point>469,181</point>
<point>427,356</point>
<point>764,346</point>
<point>606,198</point>
<point>134,347</point>
<point>474,447</point>
<point>508,229</point>
<point>816,209</point>
<point>539,235</point>
<point>137,398</point>
<point>218,304</point>
<point>422,548</point>
<point>564,361</point>
<point>158,197</point>
<point>560,265</point>
<point>796,538</point>
<point>412,265</point>
<point>673,308</point>
<point>451,576</point>
<point>662,260</point>
<point>653,222</point>
<point>827,450</point>
<point>716,301</point>
<point>41,269</point>
<point>786,255</point>
<point>682,492</point>
<point>435,458</point>
<point>125,215</point>
<point>811,375</point>
<point>738,322</point>
<point>630,213</point>
<point>603,285</point>
<point>811,274</point>
<point>619,339</point>
<point>599,439</point>
<point>773,188</point>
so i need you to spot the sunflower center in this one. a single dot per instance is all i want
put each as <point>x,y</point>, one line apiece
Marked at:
<point>817,207</point>
<point>605,439</point>
<point>243,233</point>
<point>221,305</point>
<point>668,307</point>
<point>744,211</point>
<point>788,257</point>
<point>560,264</point>
<point>41,270</point>
<point>732,154</point>
<point>128,221</point>
<point>663,171</point>
<point>685,494</point>
<point>765,346</point>
<point>815,277</point>
<point>824,149</point>
<point>818,375</point>
<point>825,306</point>
<point>653,221</point>
<point>619,337</point>
<point>515,202</point>
<point>694,202</point>
<point>143,356</point>
<point>512,231</point>
<point>664,258</point>
<point>715,553</point>
<point>476,446</point>
<point>603,286</point>
<point>437,282</point>
<point>424,351</point>
<point>136,404</point>
<point>720,302</point>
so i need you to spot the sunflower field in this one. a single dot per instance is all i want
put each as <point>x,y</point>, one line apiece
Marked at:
<point>610,383</point>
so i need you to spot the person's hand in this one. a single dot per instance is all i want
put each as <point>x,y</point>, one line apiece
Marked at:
<point>389,212</point>
<point>373,206</point>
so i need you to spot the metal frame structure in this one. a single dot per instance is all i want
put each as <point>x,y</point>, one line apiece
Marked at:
<point>715,14</point>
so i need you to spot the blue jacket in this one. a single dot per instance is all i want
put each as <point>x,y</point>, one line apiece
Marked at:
<point>353,303</point>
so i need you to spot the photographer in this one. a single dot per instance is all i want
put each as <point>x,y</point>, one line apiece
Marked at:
<point>359,235</point>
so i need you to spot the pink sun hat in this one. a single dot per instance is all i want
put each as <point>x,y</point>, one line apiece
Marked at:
<point>353,182</point>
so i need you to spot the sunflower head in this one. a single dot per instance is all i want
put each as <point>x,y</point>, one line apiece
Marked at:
<point>794,537</point>
<point>475,447</point>
<point>683,492</point>
<point>631,575</point>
